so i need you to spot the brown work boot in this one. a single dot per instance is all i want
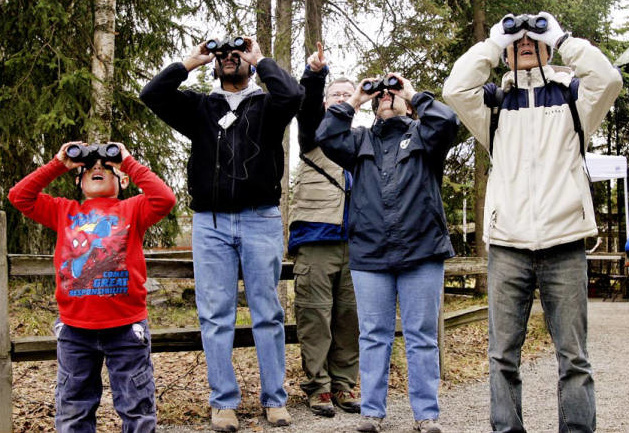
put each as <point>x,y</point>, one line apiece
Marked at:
<point>224,420</point>
<point>347,401</point>
<point>320,404</point>
<point>427,426</point>
<point>369,424</point>
<point>277,416</point>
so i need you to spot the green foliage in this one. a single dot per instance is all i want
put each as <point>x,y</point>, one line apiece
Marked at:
<point>45,91</point>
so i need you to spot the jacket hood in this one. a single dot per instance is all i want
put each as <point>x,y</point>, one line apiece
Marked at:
<point>234,98</point>
<point>558,74</point>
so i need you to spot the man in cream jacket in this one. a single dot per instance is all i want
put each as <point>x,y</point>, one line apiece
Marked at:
<point>538,207</point>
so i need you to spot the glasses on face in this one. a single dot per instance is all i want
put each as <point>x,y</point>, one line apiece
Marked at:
<point>337,95</point>
<point>223,55</point>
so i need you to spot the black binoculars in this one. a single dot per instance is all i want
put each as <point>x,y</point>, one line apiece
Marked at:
<point>374,86</point>
<point>532,23</point>
<point>227,44</point>
<point>91,153</point>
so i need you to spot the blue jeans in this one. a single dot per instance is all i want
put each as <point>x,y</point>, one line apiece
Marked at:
<point>126,350</point>
<point>253,240</point>
<point>419,293</point>
<point>561,274</point>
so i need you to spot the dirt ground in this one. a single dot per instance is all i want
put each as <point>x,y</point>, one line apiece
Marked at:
<point>465,409</point>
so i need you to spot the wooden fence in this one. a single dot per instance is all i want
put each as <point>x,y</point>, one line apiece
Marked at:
<point>162,340</point>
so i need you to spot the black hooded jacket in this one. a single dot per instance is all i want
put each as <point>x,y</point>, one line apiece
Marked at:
<point>238,167</point>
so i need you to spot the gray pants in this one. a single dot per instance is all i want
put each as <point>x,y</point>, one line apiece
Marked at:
<point>561,274</point>
<point>327,322</point>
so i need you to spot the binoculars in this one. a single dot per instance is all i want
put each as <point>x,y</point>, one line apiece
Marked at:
<point>374,86</point>
<point>91,153</point>
<point>532,23</point>
<point>227,44</point>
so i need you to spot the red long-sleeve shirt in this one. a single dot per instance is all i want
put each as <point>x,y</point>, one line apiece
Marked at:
<point>98,259</point>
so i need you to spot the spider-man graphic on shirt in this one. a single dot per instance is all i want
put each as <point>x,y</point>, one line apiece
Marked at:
<point>94,252</point>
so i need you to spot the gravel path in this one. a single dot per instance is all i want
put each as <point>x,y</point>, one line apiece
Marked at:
<point>466,409</point>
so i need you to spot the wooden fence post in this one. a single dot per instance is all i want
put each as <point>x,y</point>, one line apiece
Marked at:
<point>6,375</point>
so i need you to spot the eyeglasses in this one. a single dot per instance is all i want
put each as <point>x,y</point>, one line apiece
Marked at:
<point>337,95</point>
<point>224,54</point>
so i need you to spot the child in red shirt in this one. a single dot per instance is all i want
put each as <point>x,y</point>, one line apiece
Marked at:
<point>100,279</point>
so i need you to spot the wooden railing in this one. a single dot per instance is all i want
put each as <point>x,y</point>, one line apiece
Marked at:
<point>162,340</point>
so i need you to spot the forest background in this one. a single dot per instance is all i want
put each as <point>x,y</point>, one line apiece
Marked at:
<point>73,70</point>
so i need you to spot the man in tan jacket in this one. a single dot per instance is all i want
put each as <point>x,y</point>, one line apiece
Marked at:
<point>325,306</point>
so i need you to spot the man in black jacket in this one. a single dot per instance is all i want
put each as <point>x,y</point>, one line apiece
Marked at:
<point>234,172</point>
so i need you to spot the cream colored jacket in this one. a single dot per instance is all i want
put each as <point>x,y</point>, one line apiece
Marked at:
<point>538,193</point>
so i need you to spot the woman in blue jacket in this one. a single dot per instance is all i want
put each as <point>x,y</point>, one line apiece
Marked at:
<point>398,236</point>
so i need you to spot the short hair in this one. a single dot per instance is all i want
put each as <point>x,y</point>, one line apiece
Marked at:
<point>339,80</point>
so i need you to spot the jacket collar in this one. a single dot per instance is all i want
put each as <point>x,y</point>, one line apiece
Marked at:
<point>383,127</point>
<point>533,77</point>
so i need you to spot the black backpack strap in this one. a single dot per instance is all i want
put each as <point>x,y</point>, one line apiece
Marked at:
<point>322,172</point>
<point>567,96</point>
<point>495,104</point>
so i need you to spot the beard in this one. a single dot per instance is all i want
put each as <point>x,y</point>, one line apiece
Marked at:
<point>235,77</point>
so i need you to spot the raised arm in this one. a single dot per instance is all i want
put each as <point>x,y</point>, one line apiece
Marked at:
<point>312,110</point>
<point>336,138</point>
<point>27,196</point>
<point>162,94</point>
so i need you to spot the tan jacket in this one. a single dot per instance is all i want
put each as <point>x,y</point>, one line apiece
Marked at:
<point>315,198</point>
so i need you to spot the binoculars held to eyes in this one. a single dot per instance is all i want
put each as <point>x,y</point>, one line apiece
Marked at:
<point>533,23</point>
<point>227,44</point>
<point>374,86</point>
<point>91,153</point>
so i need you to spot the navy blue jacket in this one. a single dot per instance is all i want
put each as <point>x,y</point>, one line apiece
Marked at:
<point>396,217</point>
<point>229,170</point>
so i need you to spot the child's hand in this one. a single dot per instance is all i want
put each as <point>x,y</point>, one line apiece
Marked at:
<point>63,157</point>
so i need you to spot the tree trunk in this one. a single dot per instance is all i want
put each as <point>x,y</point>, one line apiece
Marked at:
<point>482,160</point>
<point>282,55</point>
<point>103,70</point>
<point>264,26</point>
<point>313,28</point>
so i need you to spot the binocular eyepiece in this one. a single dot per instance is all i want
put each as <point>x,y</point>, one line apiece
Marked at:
<point>227,44</point>
<point>374,86</point>
<point>533,23</point>
<point>91,153</point>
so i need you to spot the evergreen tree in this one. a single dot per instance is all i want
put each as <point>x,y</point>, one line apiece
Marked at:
<point>45,95</point>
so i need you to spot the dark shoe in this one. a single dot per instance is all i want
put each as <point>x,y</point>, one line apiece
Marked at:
<point>347,401</point>
<point>369,424</point>
<point>427,426</point>
<point>224,420</point>
<point>277,416</point>
<point>320,404</point>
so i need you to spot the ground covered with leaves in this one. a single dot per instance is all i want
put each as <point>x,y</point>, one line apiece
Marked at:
<point>180,378</point>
